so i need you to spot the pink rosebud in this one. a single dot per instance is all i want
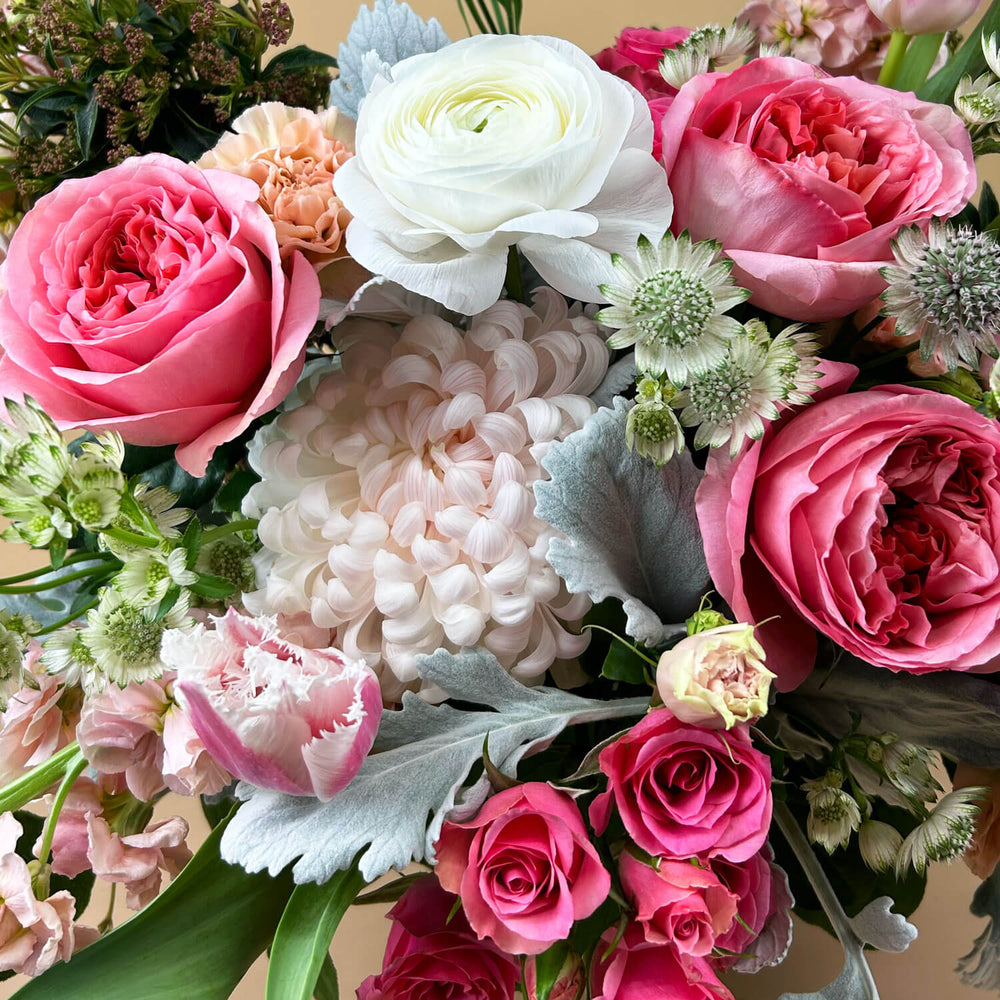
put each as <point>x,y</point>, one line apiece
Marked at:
<point>923,17</point>
<point>635,968</point>
<point>683,791</point>
<point>524,868</point>
<point>433,954</point>
<point>569,980</point>
<point>34,933</point>
<point>678,903</point>
<point>275,714</point>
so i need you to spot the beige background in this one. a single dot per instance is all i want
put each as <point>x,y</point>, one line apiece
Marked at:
<point>946,928</point>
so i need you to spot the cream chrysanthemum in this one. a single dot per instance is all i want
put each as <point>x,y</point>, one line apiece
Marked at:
<point>396,504</point>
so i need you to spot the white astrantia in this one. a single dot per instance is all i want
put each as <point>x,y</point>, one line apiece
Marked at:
<point>669,300</point>
<point>833,814</point>
<point>704,50</point>
<point>498,141</point>
<point>879,844</point>
<point>652,428</point>
<point>945,834</point>
<point>978,101</point>
<point>396,506</point>
<point>149,573</point>
<point>67,656</point>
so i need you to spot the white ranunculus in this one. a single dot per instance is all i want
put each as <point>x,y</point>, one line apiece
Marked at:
<point>493,141</point>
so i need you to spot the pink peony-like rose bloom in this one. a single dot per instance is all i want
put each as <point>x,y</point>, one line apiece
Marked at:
<point>523,867</point>
<point>683,791</point>
<point>877,517</point>
<point>34,933</point>
<point>635,58</point>
<point>636,968</point>
<point>677,903</point>
<point>762,932</point>
<point>806,178</point>
<point>150,299</point>
<point>141,731</point>
<point>433,954</point>
<point>272,713</point>
<point>924,17</point>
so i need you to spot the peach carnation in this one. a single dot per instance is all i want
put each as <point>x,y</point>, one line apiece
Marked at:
<point>396,504</point>
<point>293,154</point>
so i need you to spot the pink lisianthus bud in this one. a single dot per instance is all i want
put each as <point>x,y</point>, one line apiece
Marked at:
<point>715,678</point>
<point>678,903</point>
<point>275,714</point>
<point>923,17</point>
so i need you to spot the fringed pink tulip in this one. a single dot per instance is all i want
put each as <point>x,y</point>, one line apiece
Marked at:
<point>275,714</point>
<point>924,17</point>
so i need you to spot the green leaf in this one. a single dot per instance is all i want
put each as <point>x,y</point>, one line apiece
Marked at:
<point>548,965</point>
<point>989,208</point>
<point>196,940</point>
<point>216,808</point>
<point>86,125</point>
<point>392,891</point>
<point>230,498</point>
<point>158,467</point>
<point>969,60</point>
<point>211,586</point>
<point>327,987</point>
<point>307,926</point>
<point>622,664</point>
<point>298,58</point>
<point>919,59</point>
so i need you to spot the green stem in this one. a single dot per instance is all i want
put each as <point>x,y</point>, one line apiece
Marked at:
<point>73,771</point>
<point>894,58</point>
<point>513,282</point>
<point>58,581</point>
<point>68,561</point>
<point>130,537</point>
<point>212,534</point>
<point>109,917</point>
<point>66,619</point>
<point>38,780</point>
<point>624,642</point>
<point>919,61</point>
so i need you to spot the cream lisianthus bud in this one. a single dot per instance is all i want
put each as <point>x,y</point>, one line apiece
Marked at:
<point>716,678</point>
<point>923,17</point>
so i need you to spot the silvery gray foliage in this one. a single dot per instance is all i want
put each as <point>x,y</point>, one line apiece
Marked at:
<point>378,39</point>
<point>878,926</point>
<point>981,967</point>
<point>630,527</point>
<point>620,376</point>
<point>956,713</point>
<point>422,757</point>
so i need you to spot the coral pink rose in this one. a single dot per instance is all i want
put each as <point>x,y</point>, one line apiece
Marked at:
<point>635,58</point>
<point>432,954</point>
<point>272,713</point>
<point>678,903</point>
<point>635,969</point>
<point>877,517</point>
<point>806,178</point>
<point>683,791</point>
<point>150,299</point>
<point>524,868</point>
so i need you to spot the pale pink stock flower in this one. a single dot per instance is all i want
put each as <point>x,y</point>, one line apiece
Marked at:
<point>715,678</point>
<point>293,154</point>
<point>275,714</point>
<point>34,933</point>
<point>396,504</point>
<point>38,722</point>
<point>85,838</point>
<point>141,731</point>
<point>843,37</point>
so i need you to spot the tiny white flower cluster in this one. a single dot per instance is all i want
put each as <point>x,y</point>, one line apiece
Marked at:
<point>671,305</point>
<point>978,100</point>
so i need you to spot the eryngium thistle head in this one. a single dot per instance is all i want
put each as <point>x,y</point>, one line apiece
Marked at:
<point>945,288</point>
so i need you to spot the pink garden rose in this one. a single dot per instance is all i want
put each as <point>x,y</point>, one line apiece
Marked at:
<point>677,903</point>
<point>683,791</point>
<point>433,954</point>
<point>638,970</point>
<point>523,867</point>
<point>635,58</point>
<point>877,517</point>
<point>806,178</point>
<point>272,713</point>
<point>150,299</point>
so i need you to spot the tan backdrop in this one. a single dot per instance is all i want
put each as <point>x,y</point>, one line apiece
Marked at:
<point>946,928</point>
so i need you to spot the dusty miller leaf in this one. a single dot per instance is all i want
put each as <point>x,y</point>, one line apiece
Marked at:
<point>378,39</point>
<point>630,528</point>
<point>956,713</point>
<point>620,377</point>
<point>423,755</point>
<point>981,967</point>
<point>878,926</point>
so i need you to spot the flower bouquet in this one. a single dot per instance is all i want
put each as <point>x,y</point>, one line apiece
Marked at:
<point>569,483</point>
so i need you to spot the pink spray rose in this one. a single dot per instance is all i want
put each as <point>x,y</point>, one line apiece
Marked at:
<point>683,791</point>
<point>638,970</point>
<point>924,17</point>
<point>434,955</point>
<point>524,868</point>
<point>678,903</point>
<point>877,516</point>
<point>806,178</point>
<point>272,713</point>
<point>635,58</point>
<point>150,299</point>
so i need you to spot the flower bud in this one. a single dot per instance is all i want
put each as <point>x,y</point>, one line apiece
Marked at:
<point>923,17</point>
<point>715,678</point>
